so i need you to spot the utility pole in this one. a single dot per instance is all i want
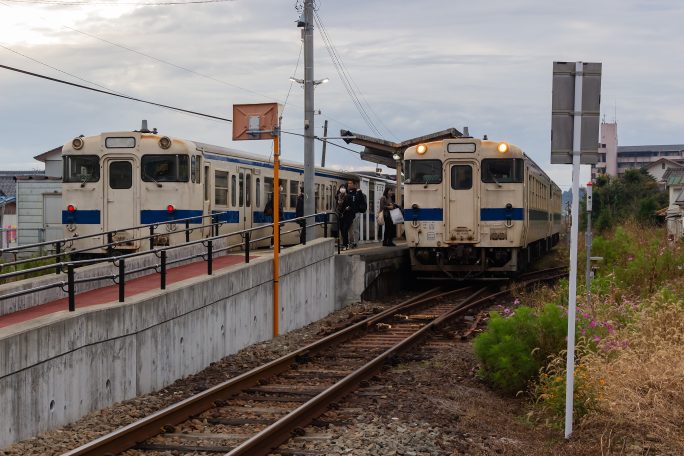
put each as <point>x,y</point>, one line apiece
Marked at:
<point>325,143</point>
<point>308,114</point>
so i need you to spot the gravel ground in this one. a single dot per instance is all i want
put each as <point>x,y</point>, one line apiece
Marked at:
<point>101,422</point>
<point>428,403</point>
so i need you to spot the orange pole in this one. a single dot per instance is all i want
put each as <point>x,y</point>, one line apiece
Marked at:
<point>276,231</point>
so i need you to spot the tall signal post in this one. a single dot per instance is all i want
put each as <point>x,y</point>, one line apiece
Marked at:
<point>309,157</point>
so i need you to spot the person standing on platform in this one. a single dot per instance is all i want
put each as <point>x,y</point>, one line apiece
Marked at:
<point>340,196</point>
<point>299,212</point>
<point>348,213</point>
<point>268,211</point>
<point>386,205</point>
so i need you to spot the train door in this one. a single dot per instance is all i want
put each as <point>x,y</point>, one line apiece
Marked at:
<point>245,197</point>
<point>121,200</point>
<point>461,184</point>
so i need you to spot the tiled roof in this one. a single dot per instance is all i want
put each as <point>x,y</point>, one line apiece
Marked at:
<point>7,183</point>
<point>674,176</point>
<point>6,200</point>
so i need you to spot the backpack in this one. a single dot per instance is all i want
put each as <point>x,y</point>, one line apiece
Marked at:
<point>361,203</point>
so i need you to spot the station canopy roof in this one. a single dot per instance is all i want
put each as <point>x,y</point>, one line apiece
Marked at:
<point>381,151</point>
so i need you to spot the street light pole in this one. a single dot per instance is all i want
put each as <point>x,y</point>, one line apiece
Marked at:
<point>309,156</point>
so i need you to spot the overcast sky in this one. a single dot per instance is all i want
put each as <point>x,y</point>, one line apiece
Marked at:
<point>421,66</point>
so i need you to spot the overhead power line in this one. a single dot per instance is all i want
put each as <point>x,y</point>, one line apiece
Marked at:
<point>352,87</point>
<point>86,3</point>
<point>140,100</point>
<point>113,94</point>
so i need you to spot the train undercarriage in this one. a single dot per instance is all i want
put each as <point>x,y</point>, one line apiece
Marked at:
<point>467,261</point>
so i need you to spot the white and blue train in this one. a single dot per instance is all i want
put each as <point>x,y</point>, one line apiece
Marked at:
<point>477,208</point>
<point>117,180</point>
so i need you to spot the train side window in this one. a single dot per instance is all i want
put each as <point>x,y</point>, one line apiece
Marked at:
<point>317,199</point>
<point>193,168</point>
<point>241,190</point>
<point>198,174</point>
<point>461,177</point>
<point>257,202</point>
<point>268,188</point>
<point>233,190</point>
<point>294,192</point>
<point>283,192</point>
<point>206,183</point>
<point>221,188</point>
<point>120,175</point>
<point>248,189</point>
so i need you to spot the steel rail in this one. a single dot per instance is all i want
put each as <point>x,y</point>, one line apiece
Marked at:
<point>128,436</point>
<point>279,432</point>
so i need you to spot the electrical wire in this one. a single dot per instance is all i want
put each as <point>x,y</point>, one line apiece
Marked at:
<point>114,94</point>
<point>85,3</point>
<point>166,62</point>
<point>355,87</point>
<point>143,54</point>
<point>343,77</point>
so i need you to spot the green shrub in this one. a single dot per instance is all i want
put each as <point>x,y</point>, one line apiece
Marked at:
<point>513,349</point>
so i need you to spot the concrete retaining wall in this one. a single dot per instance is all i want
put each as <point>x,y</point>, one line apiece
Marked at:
<point>372,275</point>
<point>57,368</point>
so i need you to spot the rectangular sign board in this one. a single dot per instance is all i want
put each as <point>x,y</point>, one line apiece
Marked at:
<point>255,121</point>
<point>563,112</point>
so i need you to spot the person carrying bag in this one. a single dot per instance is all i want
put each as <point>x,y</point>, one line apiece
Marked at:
<point>386,206</point>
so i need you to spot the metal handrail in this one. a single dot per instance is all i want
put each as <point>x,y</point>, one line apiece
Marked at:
<point>111,244</point>
<point>161,252</point>
<point>105,233</point>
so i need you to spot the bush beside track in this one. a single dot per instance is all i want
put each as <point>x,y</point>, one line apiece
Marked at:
<point>629,381</point>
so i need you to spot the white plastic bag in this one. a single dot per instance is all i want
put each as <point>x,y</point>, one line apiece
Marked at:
<point>397,216</point>
<point>380,217</point>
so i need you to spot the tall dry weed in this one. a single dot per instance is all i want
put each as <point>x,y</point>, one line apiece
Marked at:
<point>642,385</point>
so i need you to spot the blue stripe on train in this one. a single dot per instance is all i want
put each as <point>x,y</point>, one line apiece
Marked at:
<point>427,214</point>
<point>424,214</point>
<point>501,213</point>
<point>159,216</point>
<point>227,216</point>
<point>81,217</point>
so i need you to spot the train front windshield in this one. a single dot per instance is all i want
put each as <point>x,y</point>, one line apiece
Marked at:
<point>165,168</point>
<point>502,170</point>
<point>423,171</point>
<point>81,168</point>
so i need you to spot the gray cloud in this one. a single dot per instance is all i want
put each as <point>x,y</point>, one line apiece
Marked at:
<point>422,66</point>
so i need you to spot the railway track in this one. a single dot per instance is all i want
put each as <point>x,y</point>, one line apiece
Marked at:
<point>259,410</point>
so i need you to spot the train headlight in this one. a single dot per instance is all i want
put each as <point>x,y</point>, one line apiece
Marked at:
<point>421,149</point>
<point>502,148</point>
<point>77,143</point>
<point>170,209</point>
<point>165,142</point>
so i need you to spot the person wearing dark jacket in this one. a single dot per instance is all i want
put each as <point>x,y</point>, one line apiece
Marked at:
<point>299,212</point>
<point>386,205</point>
<point>268,211</point>
<point>348,213</point>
